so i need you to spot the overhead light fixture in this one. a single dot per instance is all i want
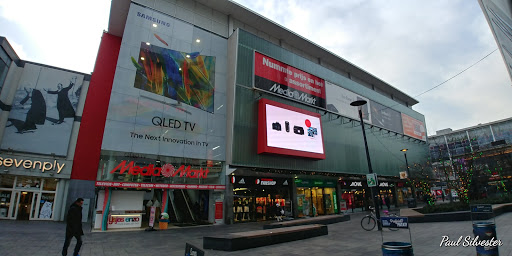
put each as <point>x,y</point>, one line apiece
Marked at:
<point>147,43</point>
<point>180,69</point>
<point>198,40</point>
<point>188,56</point>
<point>215,147</point>
<point>142,58</point>
<point>154,25</point>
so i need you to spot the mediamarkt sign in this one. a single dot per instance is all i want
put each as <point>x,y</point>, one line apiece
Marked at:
<point>167,170</point>
<point>286,81</point>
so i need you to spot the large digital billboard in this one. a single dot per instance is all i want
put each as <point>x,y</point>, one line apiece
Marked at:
<point>287,130</point>
<point>286,81</point>
<point>43,111</point>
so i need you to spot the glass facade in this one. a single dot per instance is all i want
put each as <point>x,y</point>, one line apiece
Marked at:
<point>478,159</point>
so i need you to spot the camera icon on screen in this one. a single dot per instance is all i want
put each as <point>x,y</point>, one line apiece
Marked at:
<point>298,130</point>
<point>276,126</point>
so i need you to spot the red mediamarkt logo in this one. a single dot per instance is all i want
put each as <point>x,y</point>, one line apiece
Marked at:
<point>168,170</point>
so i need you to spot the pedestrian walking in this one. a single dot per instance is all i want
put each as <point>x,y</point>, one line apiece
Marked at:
<point>74,227</point>
<point>387,201</point>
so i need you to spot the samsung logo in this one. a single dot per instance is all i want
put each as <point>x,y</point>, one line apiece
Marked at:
<point>153,19</point>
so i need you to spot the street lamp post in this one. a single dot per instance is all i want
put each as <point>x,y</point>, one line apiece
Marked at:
<point>408,175</point>
<point>359,104</point>
<point>406,164</point>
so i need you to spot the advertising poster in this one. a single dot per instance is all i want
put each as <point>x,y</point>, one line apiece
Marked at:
<point>277,77</point>
<point>386,117</point>
<point>185,77</point>
<point>287,130</point>
<point>169,91</point>
<point>43,111</point>
<point>339,99</point>
<point>414,128</point>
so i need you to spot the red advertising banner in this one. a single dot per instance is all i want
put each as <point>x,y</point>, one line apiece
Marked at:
<point>156,185</point>
<point>414,128</point>
<point>218,210</point>
<point>276,77</point>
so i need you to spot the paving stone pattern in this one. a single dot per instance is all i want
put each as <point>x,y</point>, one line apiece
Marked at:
<point>345,238</point>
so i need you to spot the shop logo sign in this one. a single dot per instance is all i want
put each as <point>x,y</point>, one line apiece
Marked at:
<point>383,184</point>
<point>265,182</point>
<point>115,220</point>
<point>167,170</point>
<point>294,94</point>
<point>356,184</point>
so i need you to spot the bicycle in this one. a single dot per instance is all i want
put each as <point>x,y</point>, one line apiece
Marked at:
<point>369,221</point>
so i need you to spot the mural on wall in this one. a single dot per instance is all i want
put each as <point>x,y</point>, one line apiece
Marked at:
<point>43,111</point>
<point>185,77</point>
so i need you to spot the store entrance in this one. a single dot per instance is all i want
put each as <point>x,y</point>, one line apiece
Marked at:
<point>25,202</point>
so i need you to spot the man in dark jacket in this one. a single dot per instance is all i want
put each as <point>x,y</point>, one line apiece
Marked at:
<point>74,227</point>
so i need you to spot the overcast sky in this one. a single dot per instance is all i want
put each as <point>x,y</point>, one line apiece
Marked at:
<point>412,45</point>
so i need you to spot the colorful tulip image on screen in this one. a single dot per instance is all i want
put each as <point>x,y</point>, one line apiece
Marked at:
<point>185,77</point>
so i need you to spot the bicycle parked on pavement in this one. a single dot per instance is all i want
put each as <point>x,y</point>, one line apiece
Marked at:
<point>369,221</point>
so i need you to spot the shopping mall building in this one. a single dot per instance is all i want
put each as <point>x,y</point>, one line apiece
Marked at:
<point>212,113</point>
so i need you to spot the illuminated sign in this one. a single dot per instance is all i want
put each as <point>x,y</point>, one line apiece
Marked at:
<point>266,182</point>
<point>125,221</point>
<point>287,130</point>
<point>29,164</point>
<point>166,170</point>
<point>113,184</point>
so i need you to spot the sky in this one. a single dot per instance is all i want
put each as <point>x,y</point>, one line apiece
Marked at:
<point>413,45</point>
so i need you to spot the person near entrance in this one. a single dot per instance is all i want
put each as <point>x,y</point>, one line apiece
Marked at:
<point>74,227</point>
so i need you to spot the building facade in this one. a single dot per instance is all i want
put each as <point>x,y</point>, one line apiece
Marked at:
<point>213,114</point>
<point>499,16</point>
<point>39,122</point>
<point>477,159</point>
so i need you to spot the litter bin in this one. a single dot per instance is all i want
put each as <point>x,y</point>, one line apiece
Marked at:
<point>485,231</point>
<point>397,249</point>
<point>411,202</point>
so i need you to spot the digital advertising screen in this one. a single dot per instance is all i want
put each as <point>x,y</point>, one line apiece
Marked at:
<point>287,130</point>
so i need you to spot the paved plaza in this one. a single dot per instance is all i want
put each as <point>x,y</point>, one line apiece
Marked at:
<point>346,238</point>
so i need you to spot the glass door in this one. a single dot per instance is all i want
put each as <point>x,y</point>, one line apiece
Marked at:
<point>24,205</point>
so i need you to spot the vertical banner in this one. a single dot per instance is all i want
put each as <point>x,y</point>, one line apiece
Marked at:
<point>276,77</point>
<point>413,127</point>
<point>152,216</point>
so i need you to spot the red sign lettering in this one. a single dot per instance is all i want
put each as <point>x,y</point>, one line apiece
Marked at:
<point>166,170</point>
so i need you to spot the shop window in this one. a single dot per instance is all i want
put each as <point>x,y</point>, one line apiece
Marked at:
<point>329,200</point>
<point>31,183</point>
<point>46,205</point>
<point>5,203</point>
<point>50,184</point>
<point>6,181</point>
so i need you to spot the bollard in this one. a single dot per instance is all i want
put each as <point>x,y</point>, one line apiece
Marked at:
<point>397,249</point>
<point>485,231</point>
